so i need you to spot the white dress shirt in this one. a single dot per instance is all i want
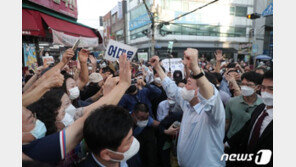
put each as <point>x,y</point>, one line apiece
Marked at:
<point>200,142</point>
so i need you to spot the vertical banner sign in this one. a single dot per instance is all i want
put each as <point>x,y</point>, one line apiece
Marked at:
<point>115,49</point>
<point>30,56</point>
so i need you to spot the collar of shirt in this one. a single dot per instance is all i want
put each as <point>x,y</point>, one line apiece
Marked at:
<point>257,102</point>
<point>96,160</point>
<point>269,112</point>
<point>122,164</point>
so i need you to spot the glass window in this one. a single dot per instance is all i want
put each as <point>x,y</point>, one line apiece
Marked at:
<point>240,32</point>
<point>241,11</point>
<point>232,10</point>
<point>189,29</point>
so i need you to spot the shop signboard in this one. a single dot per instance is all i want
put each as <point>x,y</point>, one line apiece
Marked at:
<point>66,7</point>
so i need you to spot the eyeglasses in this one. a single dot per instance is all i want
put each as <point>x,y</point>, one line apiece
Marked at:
<point>249,85</point>
<point>270,88</point>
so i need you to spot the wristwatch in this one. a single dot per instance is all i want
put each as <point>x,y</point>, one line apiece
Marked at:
<point>197,76</point>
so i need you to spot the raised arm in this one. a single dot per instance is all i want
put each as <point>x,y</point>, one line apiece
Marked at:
<point>83,76</point>
<point>93,61</point>
<point>56,80</point>
<point>67,55</point>
<point>219,58</point>
<point>74,133</point>
<point>191,59</point>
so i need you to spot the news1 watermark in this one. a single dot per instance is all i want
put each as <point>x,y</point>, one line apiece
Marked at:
<point>262,157</point>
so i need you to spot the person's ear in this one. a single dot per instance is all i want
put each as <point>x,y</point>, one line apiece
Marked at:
<point>257,88</point>
<point>105,155</point>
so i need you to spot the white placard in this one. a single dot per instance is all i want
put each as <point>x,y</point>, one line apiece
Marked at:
<point>48,59</point>
<point>176,64</point>
<point>115,49</point>
<point>143,55</point>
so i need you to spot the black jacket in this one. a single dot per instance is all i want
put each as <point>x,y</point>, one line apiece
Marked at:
<point>239,141</point>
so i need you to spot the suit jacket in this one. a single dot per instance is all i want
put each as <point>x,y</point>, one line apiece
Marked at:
<point>239,142</point>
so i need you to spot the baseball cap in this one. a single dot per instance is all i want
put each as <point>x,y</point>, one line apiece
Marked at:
<point>95,77</point>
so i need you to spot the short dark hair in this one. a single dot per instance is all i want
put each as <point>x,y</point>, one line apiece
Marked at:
<point>231,65</point>
<point>46,108</point>
<point>218,76</point>
<point>268,75</point>
<point>211,77</point>
<point>253,77</point>
<point>155,72</point>
<point>106,127</point>
<point>141,107</point>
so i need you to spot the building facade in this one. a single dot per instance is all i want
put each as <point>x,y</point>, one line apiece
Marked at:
<point>114,23</point>
<point>219,25</point>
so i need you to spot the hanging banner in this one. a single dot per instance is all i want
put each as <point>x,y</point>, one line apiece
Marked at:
<point>115,49</point>
<point>175,64</point>
<point>30,56</point>
<point>68,40</point>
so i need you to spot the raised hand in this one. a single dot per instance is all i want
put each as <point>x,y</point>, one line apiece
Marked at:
<point>55,80</point>
<point>154,61</point>
<point>110,84</point>
<point>67,55</point>
<point>92,59</point>
<point>218,55</point>
<point>191,58</point>
<point>124,69</point>
<point>83,55</point>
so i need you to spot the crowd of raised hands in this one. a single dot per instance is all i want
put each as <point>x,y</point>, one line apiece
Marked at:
<point>58,98</point>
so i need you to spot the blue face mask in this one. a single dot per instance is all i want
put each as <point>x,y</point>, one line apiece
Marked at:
<point>39,130</point>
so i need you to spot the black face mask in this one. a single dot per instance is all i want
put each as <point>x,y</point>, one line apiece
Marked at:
<point>131,89</point>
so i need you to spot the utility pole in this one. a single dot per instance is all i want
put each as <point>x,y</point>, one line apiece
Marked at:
<point>152,18</point>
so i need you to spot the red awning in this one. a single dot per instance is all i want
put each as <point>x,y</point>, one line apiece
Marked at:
<point>67,27</point>
<point>31,25</point>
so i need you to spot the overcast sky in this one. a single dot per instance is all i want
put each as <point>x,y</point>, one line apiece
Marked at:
<point>89,11</point>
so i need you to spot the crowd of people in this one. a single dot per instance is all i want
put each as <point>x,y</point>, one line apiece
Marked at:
<point>137,114</point>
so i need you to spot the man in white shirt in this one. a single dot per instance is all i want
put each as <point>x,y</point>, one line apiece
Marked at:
<point>257,133</point>
<point>200,142</point>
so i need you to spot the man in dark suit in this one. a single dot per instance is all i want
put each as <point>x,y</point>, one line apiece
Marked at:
<point>257,133</point>
<point>108,135</point>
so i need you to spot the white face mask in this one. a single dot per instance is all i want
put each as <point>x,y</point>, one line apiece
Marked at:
<point>39,130</point>
<point>74,93</point>
<point>247,91</point>
<point>67,120</point>
<point>142,124</point>
<point>46,54</point>
<point>157,80</point>
<point>134,148</point>
<point>187,95</point>
<point>70,110</point>
<point>267,98</point>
